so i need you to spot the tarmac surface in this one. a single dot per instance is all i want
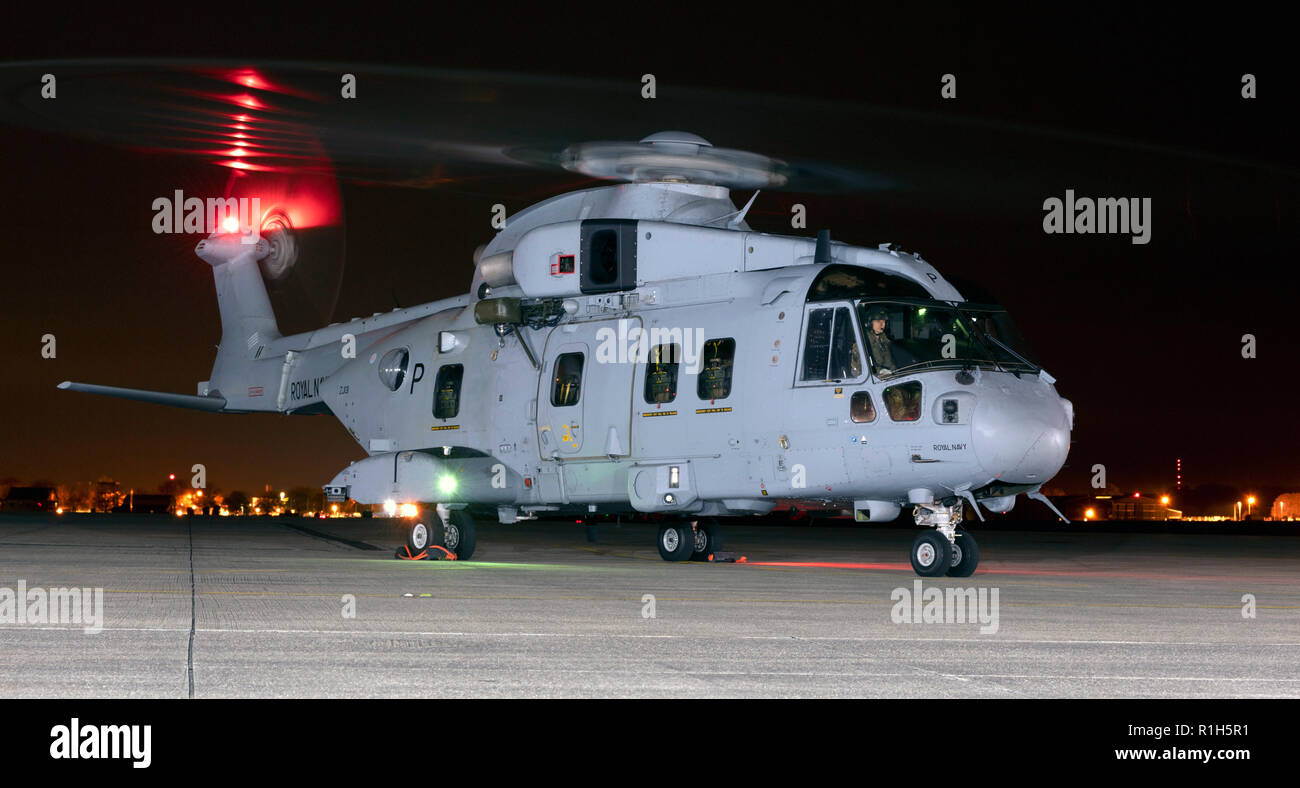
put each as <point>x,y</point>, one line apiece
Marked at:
<point>259,607</point>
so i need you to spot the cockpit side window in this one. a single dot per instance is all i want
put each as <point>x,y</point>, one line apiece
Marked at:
<point>846,362</point>
<point>830,346</point>
<point>861,409</point>
<point>904,401</point>
<point>817,345</point>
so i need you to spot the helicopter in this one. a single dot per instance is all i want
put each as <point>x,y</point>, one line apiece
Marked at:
<point>636,349</point>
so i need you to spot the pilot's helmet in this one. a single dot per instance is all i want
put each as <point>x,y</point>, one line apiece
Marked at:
<point>877,313</point>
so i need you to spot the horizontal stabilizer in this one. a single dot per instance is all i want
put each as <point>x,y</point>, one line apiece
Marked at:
<point>156,397</point>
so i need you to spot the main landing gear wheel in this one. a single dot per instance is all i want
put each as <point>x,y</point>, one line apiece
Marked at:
<point>417,537</point>
<point>965,555</point>
<point>931,554</point>
<point>707,538</point>
<point>459,534</point>
<point>676,542</point>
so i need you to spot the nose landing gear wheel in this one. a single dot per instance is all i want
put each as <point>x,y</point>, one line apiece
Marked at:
<point>931,554</point>
<point>676,542</point>
<point>965,556</point>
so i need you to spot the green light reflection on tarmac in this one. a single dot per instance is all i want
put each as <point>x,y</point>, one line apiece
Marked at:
<point>500,565</point>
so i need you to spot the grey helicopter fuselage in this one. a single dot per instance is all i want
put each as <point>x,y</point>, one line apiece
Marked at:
<point>636,348</point>
<point>674,367</point>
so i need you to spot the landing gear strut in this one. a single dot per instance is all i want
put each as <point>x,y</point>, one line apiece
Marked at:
<point>945,550</point>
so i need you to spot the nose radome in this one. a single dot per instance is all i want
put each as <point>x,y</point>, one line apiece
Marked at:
<point>1021,440</point>
<point>1043,459</point>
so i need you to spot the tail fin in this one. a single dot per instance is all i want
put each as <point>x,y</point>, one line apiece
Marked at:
<point>246,316</point>
<point>247,320</point>
<point>247,327</point>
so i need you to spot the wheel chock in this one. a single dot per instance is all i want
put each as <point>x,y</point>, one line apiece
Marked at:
<point>432,553</point>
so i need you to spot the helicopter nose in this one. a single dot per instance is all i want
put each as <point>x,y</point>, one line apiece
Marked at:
<point>1022,437</point>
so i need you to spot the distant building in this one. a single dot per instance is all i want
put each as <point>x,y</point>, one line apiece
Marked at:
<point>30,499</point>
<point>140,503</point>
<point>1286,507</point>
<point>1142,509</point>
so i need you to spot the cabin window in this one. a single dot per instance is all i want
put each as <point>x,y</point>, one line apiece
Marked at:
<point>861,408</point>
<point>831,346</point>
<point>392,368</point>
<point>661,373</point>
<point>567,386</point>
<point>716,365</point>
<point>446,391</point>
<point>904,401</point>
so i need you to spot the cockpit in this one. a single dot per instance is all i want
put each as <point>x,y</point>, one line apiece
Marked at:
<point>860,319</point>
<point>906,336</point>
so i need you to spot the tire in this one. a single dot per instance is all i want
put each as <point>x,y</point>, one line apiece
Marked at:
<point>965,556</point>
<point>708,539</point>
<point>676,542</point>
<point>459,534</point>
<point>931,554</point>
<point>418,536</point>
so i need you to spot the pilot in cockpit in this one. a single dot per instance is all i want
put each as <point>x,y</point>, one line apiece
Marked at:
<point>881,345</point>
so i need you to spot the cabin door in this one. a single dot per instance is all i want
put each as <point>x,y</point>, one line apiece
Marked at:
<point>584,400</point>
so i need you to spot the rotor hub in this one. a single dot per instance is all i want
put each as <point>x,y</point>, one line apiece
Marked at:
<point>674,157</point>
<point>278,232</point>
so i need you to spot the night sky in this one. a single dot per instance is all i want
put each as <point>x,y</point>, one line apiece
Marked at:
<point>1145,339</point>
